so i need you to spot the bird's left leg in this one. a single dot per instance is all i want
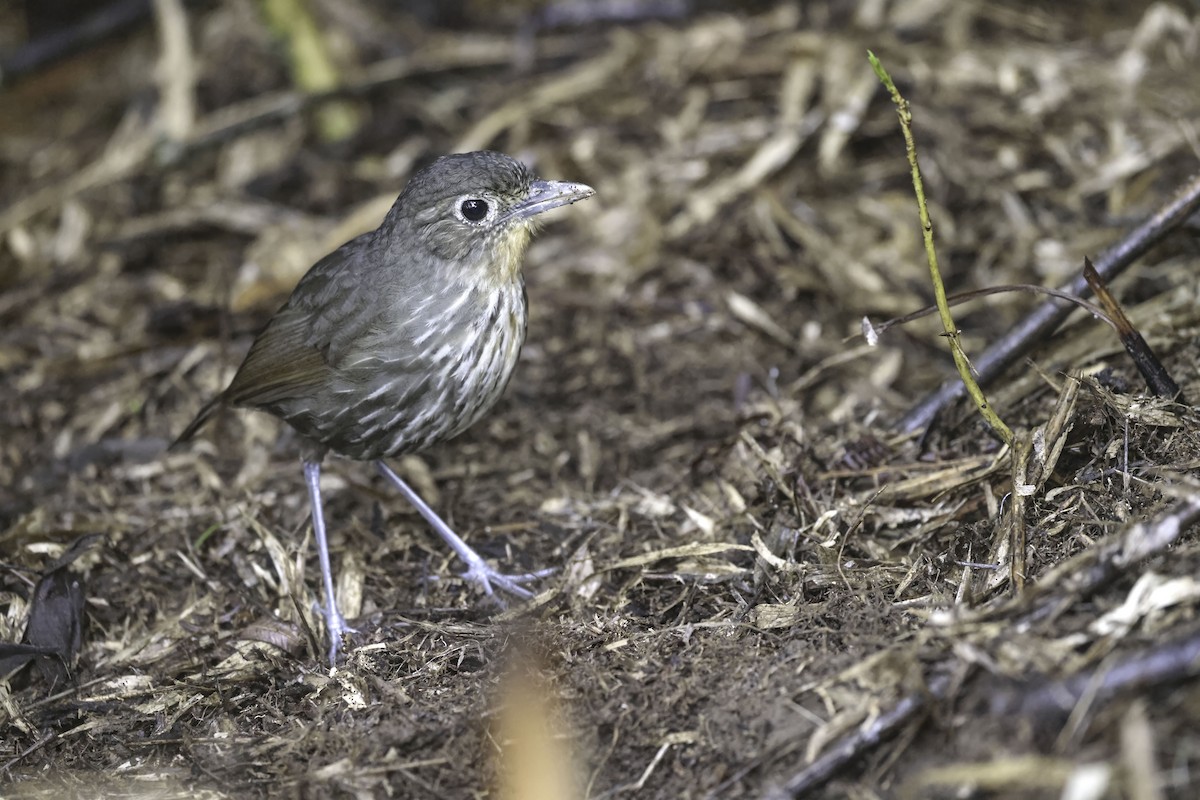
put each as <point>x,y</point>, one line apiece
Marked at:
<point>335,624</point>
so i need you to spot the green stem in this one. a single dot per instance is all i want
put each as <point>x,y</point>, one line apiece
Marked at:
<point>939,289</point>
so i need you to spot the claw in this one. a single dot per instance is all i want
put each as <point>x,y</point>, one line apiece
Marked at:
<point>336,627</point>
<point>479,573</point>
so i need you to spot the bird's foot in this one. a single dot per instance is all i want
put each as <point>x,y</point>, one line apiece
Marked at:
<point>478,572</point>
<point>336,627</point>
<point>489,579</point>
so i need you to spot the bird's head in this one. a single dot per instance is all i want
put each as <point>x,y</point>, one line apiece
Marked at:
<point>475,211</point>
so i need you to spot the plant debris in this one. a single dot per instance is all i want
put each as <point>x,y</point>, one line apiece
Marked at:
<point>784,570</point>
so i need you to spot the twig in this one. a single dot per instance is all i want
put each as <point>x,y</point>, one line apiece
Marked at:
<point>67,41</point>
<point>128,149</point>
<point>1021,488</point>
<point>973,294</point>
<point>1156,665</point>
<point>40,743</point>
<point>132,145</point>
<point>581,80</point>
<point>176,72</point>
<point>682,737</point>
<point>1153,666</point>
<point>1157,378</point>
<point>1030,331</point>
<point>939,288</point>
<point>856,744</point>
<point>312,67</point>
<point>1090,570</point>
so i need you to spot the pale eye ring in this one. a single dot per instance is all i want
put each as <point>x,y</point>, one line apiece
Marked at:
<point>474,209</point>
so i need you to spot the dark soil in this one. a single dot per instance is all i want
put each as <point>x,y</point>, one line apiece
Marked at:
<point>755,569</point>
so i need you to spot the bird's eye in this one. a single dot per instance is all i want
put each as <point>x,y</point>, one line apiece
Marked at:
<point>473,209</point>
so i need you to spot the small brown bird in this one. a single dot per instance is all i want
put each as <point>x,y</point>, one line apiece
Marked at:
<point>404,336</point>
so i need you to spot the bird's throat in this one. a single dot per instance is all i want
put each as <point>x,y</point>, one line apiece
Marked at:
<point>508,256</point>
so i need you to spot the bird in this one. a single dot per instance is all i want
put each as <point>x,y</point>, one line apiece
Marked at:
<point>404,337</point>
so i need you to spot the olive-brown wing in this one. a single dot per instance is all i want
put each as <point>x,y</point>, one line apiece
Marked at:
<point>297,352</point>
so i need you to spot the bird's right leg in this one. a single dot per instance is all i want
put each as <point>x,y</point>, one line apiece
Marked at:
<point>478,571</point>
<point>335,624</point>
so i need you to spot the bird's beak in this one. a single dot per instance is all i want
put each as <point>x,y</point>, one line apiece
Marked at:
<point>545,195</point>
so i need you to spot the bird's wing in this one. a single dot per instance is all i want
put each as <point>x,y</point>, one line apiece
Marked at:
<point>281,364</point>
<point>296,354</point>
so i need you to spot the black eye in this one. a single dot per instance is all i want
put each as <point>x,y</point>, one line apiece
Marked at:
<point>474,209</point>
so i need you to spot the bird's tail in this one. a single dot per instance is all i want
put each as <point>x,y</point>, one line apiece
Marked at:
<point>210,408</point>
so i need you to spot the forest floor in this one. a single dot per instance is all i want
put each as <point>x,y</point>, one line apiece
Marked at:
<point>765,586</point>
